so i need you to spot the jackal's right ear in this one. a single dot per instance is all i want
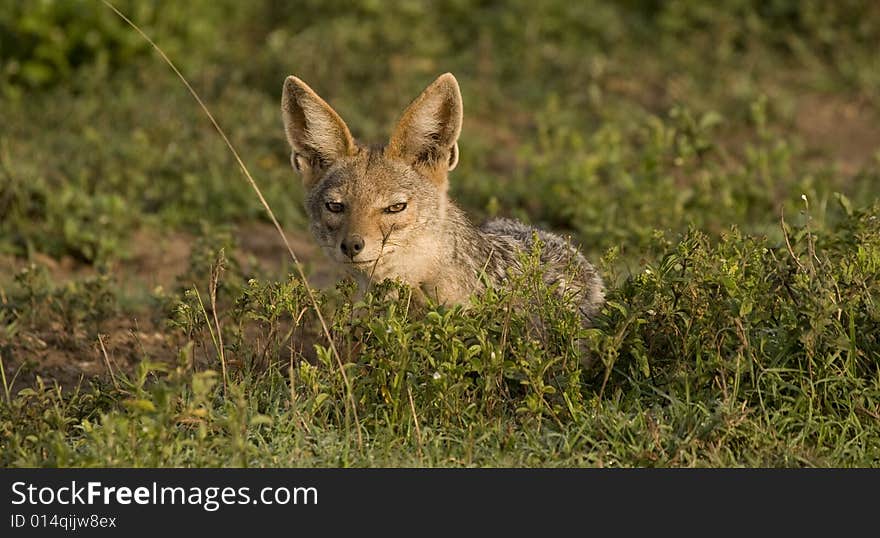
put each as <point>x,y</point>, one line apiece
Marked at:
<point>316,133</point>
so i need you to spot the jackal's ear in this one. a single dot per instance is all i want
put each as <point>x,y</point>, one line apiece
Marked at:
<point>316,133</point>
<point>427,132</point>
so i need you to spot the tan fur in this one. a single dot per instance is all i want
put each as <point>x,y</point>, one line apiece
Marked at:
<point>354,196</point>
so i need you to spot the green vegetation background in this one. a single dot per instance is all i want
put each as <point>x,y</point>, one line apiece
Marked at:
<point>720,162</point>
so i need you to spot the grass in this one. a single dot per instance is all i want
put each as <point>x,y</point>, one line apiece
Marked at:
<point>720,166</point>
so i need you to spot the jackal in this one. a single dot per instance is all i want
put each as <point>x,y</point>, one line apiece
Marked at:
<point>383,211</point>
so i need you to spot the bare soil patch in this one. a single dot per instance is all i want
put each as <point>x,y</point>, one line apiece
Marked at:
<point>73,355</point>
<point>845,130</point>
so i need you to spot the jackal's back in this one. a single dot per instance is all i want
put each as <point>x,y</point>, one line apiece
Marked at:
<point>561,263</point>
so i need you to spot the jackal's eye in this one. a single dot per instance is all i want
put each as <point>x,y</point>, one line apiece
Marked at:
<point>396,208</point>
<point>334,207</point>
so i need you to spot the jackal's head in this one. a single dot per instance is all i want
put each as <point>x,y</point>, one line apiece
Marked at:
<point>377,209</point>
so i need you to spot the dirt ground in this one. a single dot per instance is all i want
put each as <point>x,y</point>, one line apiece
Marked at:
<point>69,356</point>
<point>845,131</point>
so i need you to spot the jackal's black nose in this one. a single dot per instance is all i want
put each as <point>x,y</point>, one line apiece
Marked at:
<point>352,245</point>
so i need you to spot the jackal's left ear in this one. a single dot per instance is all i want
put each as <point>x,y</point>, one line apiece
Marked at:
<point>316,133</point>
<point>427,132</point>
